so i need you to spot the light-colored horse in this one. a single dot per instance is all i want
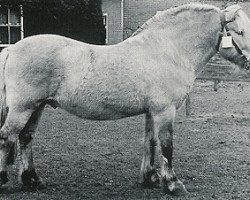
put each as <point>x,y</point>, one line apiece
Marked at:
<point>150,73</point>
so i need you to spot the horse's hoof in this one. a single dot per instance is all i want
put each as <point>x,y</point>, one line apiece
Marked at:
<point>151,180</point>
<point>150,184</point>
<point>34,186</point>
<point>176,188</point>
<point>30,179</point>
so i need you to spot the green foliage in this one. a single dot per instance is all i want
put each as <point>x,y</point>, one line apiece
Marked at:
<point>78,19</point>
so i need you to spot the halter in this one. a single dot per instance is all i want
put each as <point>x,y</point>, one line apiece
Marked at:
<point>224,23</point>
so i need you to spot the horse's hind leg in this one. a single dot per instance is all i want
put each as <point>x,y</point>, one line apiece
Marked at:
<point>149,176</point>
<point>27,173</point>
<point>14,123</point>
<point>163,126</point>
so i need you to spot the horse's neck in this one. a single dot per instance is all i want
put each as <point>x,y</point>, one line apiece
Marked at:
<point>195,38</point>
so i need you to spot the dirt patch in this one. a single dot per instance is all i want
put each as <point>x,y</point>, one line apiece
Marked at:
<point>81,159</point>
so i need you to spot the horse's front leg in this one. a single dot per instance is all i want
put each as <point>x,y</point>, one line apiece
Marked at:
<point>163,127</point>
<point>149,175</point>
<point>27,172</point>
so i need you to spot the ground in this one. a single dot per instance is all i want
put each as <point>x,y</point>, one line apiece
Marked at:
<point>80,159</point>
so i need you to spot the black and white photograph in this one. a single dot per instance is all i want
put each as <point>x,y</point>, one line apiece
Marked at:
<point>124,99</point>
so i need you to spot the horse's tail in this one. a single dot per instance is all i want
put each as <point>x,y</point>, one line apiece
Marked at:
<point>12,149</point>
<point>3,108</point>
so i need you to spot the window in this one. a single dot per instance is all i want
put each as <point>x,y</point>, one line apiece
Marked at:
<point>11,25</point>
<point>105,22</point>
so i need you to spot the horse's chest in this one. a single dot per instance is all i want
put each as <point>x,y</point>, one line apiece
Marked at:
<point>172,87</point>
<point>181,89</point>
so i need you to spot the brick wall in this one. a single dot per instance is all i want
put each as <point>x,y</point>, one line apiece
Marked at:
<point>115,29</point>
<point>136,12</point>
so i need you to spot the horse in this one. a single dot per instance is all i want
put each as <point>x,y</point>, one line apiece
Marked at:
<point>150,73</point>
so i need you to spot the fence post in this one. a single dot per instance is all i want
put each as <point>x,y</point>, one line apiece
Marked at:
<point>216,83</point>
<point>188,109</point>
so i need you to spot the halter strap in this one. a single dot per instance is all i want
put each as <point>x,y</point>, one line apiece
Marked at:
<point>235,44</point>
<point>224,23</point>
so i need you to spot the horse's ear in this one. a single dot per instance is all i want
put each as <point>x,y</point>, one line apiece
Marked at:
<point>230,12</point>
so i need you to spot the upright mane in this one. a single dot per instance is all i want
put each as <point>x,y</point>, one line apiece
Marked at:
<point>160,15</point>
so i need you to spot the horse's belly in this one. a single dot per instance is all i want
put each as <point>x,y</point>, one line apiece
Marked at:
<point>97,107</point>
<point>100,113</point>
<point>95,112</point>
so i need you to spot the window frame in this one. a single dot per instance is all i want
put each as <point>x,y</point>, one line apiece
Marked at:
<point>105,23</point>
<point>10,26</point>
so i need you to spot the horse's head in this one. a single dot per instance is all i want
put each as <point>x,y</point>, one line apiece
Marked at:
<point>235,40</point>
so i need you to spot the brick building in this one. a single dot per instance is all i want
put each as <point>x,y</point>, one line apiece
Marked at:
<point>113,11</point>
<point>123,17</point>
